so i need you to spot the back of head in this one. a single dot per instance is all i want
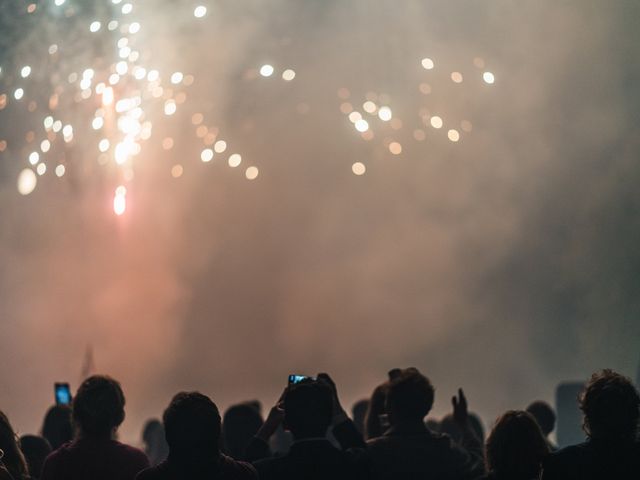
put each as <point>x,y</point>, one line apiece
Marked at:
<point>611,407</point>
<point>98,407</point>
<point>544,415</point>
<point>359,413</point>
<point>410,396</point>
<point>241,422</point>
<point>308,409</point>
<point>13,458</point>
<point>35,450</point>
<point>192,428</point>
<point>57,427</point>
<point>515,447</point>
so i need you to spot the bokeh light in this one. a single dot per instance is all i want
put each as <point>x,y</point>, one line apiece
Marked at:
<point>358,168</point>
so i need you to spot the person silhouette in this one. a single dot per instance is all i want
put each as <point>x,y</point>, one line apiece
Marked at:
<point>98,411</point>
<point>546,418</point>
<point>240,423</point>
<point>57,426</point>
<point>611,408</point>
<point>515,447</point>
<point>12,458</point>
<point>192,427</point>
<point>156,446</point>
<point>307,409</point>
<point>35,450</point>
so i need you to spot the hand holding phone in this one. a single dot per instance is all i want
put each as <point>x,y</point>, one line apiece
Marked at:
<point>62,393</point>
<point>293,379</point>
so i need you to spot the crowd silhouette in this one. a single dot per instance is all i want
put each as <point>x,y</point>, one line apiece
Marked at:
<point>307,434</point>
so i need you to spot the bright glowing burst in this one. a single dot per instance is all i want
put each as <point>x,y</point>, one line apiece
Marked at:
<point>288,75</point>
<point>34,158</point>
<point>119,202</point>
<point>436,122</point>
<point>27,181</point>
<point>362,125</point>
<point>94,27</point>
<point>456,77</point>
<point>427,64</point>
<point>220,146</point>
<point>206,155</point>
<point>251,173</point>
<point>384,113</point>
<point>18,94</point>
<point>358,168</point>
<point>453,135</point>
<point>60,170</point>
<point>25,72</point>
<point>488,77</point>
<point>266,70</point>
<point>235,160</point>
<point>395,148</point>
<point>200,11</point>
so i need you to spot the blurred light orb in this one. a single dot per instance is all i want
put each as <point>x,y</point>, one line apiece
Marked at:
<point>456,77</point>
<point>436,122</point>
<point>176,77</point>
<point>116,2</point>
<point>121,190</point>
<point>53,48</point>
<point>266,70</point>
<point>177,171</point>
<point>60,170</point>
<point>362,125</point>
<point>45,145</point>
<point>385,114</point>
<point>395,148</point>
<point>153,75</point>
<point>251,173</point>
<point>200,11</point>
<point>453,135</point>
<point>355,117</point>
<point>119,204</point>
<point>206,155</point>
<point>167,143</point>
<point>59,2</point>
<point>358,168</point>
<point>488,78</point>
<point>197,118</point>
<point>288,75</point>
<point>27,181</point>
<point>127,8</point>
<point>95,26</point>
<point>134,28</point>
<point>220,146</point>
<point>112,25</point>
<point>34,157</point>
<point>26,71</point>
<point>97,123</point>
<point>427,64</point>
<point>369,107</point>
<point>235,160</point>
<point>57,126</point>
<point>41,169</point>
<point>18,94</point>
<point>170,107</point>
<point>103,145</point>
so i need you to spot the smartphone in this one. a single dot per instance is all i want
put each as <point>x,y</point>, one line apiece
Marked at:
<point>63,393</point>
<point>293,379</point>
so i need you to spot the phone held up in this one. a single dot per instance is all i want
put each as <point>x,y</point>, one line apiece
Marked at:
<point>62,393</point>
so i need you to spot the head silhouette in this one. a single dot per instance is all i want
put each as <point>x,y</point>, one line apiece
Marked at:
<point>35,450</point>
<point>57,427</point>
<point>13,458</point>
<point>240,424</point>
<point>544,415</point>
<point>410,397</point>
<point>515,447</point>
<point>611,407</point>
<point>192,428</point>
<point>308,409</point>
<point>98,407</point>
<point>359,413</point>
<point>153,437</point>
<point>449,426</point>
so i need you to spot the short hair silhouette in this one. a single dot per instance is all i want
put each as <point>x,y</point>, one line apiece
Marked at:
<point>192,427</point>
<point>516,447</point>
<point>544,415</point>
<point>153,437</point>
<point>611,406</point>
<point>13,458</point>
<point>240,423</point>
<point>35,450</point>
<point>410,395</point>
<point>57,427</point>
<point>308,409</point>
<point>98,406</point>
<point>359,413</point>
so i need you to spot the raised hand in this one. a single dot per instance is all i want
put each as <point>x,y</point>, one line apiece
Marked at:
<point>460,408</point>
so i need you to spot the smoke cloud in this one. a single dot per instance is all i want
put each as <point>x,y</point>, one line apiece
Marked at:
<point>503,263</point>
